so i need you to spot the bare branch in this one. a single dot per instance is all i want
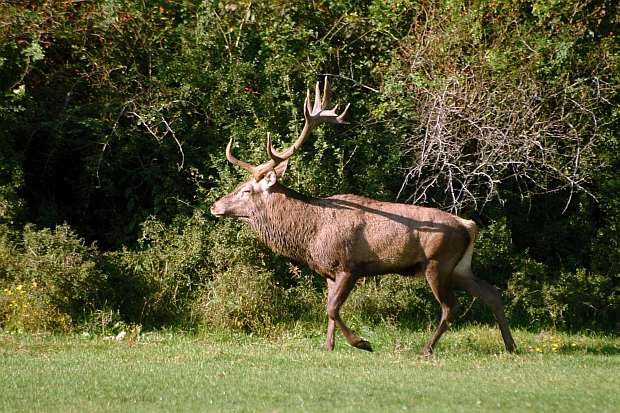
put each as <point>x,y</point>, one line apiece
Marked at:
<point>476,132</point>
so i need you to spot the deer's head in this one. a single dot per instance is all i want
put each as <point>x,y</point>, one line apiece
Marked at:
<point>249,196</point>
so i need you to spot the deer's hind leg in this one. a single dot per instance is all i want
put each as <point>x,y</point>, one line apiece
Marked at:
<point>472,285</point>
<point>439,281</point>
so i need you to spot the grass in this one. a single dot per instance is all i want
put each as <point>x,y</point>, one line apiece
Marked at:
<point>224,373</point>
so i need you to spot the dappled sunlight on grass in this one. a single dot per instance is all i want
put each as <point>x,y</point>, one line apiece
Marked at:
<point>227,371</point>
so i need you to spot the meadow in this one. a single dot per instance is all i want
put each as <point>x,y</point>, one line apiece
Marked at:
<point>114,119</point>
<point>179,372</point>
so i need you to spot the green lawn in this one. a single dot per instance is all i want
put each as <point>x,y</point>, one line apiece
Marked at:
<point>171,372</point>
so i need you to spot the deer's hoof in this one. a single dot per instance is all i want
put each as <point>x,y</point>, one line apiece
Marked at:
<point>427,352</point>
<point>364,345</point>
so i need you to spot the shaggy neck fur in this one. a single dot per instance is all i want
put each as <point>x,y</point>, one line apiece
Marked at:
<point>287,221</point>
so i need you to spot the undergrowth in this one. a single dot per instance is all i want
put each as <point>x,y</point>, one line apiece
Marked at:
<point>196,274</point>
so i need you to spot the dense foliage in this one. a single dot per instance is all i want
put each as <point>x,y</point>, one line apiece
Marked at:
<point>114,115</point>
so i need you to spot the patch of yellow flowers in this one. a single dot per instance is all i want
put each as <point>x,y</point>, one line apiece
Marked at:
<point>18,296</point>
<point>552,344</point>
<point>23,308</point>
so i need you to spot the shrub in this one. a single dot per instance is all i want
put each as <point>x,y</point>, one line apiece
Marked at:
<point>243,297</point>
<point>250,288</point>
<point>404,299</point>
<point>160,279</point>
<point>49,279</point>
<point>26,308</point>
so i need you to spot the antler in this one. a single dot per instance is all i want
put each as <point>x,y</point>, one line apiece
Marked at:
<point>314,115</point>
<point>236,161</point>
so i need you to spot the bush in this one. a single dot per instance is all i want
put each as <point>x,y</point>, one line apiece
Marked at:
<point>407,300</point>
<point>249,288</point>
<point>49,279</point>
<point>536,295</point>
<point>161,277</point>
<point>243,297</point>
<point>26,308</point>
<point>114,116</point>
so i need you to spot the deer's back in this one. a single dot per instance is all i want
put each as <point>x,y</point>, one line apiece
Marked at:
<point>380,237</point>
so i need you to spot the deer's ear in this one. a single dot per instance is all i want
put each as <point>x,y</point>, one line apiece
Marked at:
<point>280,169</point>
<point>270,178</point>
<point>273,175</point>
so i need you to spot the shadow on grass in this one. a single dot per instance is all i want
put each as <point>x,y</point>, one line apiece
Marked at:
<point>612,350</point>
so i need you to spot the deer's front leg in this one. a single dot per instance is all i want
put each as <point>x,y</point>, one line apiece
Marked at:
<point>338,291</point>
<point>331,326</point>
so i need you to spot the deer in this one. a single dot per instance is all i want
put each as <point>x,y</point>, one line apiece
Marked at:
<point>347,237</point>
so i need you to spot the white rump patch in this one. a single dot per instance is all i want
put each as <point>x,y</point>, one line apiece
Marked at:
<point>463,268</point>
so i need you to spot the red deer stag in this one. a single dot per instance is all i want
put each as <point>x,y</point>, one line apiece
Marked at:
<point>346,237</point>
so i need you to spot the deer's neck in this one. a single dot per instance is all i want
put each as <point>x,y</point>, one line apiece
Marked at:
<point>288,222</point>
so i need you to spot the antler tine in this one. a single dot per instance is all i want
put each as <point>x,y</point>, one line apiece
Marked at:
<point>274,159</point>
<point>238,162</point>
<point>326,94</point>
<point>314,115</point>
<point>318,102</point>
<point>307,107</point>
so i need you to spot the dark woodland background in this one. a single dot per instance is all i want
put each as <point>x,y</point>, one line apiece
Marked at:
<point>114,116</point>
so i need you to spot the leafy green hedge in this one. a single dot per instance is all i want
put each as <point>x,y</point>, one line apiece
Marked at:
<point>114,116</point>
<point>217,276</point>
<point>49,279</point>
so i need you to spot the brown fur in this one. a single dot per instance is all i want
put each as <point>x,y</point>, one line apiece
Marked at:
<point>346,237</point>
